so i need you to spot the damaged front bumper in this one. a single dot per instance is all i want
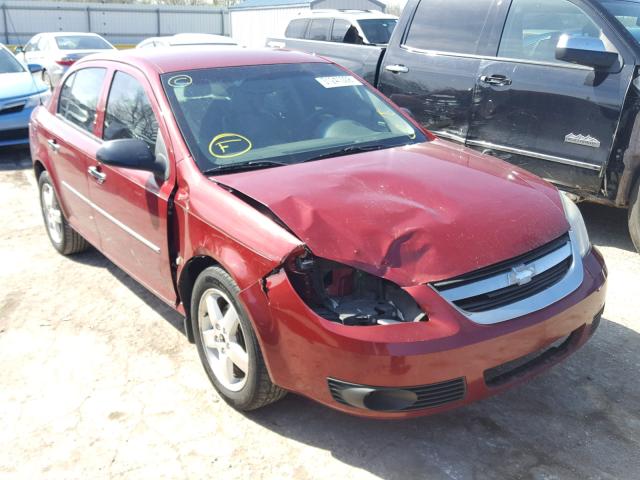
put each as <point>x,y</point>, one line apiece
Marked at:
<point>418,368</point>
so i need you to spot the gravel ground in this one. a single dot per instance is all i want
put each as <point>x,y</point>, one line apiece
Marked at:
<point>98,381</point>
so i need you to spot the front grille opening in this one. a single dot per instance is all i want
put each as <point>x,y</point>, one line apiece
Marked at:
<point>515,293</point>
<point>492,280</point>
<point>497,376</point>
<point>390,399</point>
<point>14,109</point>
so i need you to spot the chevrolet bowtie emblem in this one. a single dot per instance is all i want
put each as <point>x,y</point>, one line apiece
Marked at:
<point>521,275</point>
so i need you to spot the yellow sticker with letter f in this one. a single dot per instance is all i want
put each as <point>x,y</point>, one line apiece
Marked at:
<point>229,145</point>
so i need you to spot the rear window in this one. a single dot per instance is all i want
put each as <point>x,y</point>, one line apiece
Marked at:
<point>448,25</point>
<point>296,28</point>
<point>378,30</point>
<point>82,42</point>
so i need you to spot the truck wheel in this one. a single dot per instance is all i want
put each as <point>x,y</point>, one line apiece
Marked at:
<point>63,238</point>
<point>634,215</point>
<point>227,344</point>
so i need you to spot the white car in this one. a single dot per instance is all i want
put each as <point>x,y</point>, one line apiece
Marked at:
<point>56,52</point>
<point>186,39</point>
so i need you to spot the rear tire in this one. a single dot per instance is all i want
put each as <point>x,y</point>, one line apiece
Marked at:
<point>63,237</point>
<point>227,344</point>
<point>634,215</point>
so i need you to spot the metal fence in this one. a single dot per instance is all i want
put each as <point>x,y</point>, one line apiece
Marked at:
<point>118,23</point>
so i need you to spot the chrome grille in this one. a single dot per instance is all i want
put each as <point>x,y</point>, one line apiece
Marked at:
<point>517,286</point>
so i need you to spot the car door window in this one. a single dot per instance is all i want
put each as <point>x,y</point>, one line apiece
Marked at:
<point>129,113</point>
<point>79,95</point>
<point>449,25</point>
<point>340,29</point>
<point>534,27</point>
<point>319,29</point>
<point>296,28</point>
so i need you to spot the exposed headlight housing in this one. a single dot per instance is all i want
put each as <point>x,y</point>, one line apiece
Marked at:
<point>38,99</point>
<point>346,295</point>
<point>576,222</point>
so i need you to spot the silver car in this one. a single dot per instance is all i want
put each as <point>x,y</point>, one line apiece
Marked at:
<point>56,52</point>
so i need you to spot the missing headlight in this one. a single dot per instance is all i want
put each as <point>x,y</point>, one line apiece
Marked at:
<point>350,296</point>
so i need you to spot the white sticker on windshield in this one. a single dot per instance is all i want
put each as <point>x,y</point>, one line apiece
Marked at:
<point>339,81</point>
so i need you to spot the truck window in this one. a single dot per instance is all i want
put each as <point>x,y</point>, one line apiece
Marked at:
<point>79,97</point>
<point>319,29</point>
<point>448,25</point>
<point>534,27</point>
<point>340,28</point>
<point>129,113</point>
<point>296,28</point>
<point>628,14</point>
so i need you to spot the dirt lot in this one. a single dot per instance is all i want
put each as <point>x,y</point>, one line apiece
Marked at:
<point>98,381</point>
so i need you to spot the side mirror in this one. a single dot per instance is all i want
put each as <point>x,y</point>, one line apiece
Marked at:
<point>35,67</point>
<point>587,51</point>
<point>130,153</point>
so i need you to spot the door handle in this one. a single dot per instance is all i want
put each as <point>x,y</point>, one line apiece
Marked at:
<point>97,174</point>
<point>53,145</point>
<point>396,69</point>
<point>495,80</point>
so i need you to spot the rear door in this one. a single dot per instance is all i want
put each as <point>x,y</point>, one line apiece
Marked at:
<point>72,142</point>
<point>132,205</point>
<point>553,118</point>
<point>432,62</point>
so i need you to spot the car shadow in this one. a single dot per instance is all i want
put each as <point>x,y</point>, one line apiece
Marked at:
<point>581,419</point>
<point>607,226</point>
<point>94,258</point>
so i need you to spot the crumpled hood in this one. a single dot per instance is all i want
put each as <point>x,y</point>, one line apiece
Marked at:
<point>413,214</point>
<point>17,85</point>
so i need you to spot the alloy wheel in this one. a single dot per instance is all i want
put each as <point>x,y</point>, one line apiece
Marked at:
<point>52,213</point>
<point>223,339</point>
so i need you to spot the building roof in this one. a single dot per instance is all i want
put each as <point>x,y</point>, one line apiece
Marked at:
<point>257,4</point>
<point>269,4</point>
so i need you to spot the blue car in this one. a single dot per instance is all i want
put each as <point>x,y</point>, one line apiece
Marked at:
<point>20,93</point>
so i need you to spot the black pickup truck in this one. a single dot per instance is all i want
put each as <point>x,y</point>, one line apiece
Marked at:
<point>550,85</point>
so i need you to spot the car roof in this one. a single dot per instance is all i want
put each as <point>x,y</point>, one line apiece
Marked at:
<point>67,34</point>
<point>171,59</point>
<point>348,14</point>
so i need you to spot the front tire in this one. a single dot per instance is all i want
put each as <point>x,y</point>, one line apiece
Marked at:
<point>63,237</point>
<point>227,344</point>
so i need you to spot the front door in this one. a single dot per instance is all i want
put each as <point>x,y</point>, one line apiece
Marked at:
<point>132,205</point>
<point>551,117</point>
<point>431,69</point>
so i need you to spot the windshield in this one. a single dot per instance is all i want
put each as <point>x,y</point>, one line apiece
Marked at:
<point>266,115</point>
<point>82,42</point>
<point>9,63</point>
<point>627,13</point>
<point>378,30</point>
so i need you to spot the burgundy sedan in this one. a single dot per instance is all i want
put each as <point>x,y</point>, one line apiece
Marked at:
<point>316,239</point>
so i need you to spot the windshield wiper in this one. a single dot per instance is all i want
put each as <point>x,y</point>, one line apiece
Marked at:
<point>238,167</point>
<point>347,151</point>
